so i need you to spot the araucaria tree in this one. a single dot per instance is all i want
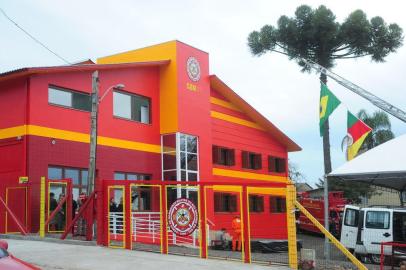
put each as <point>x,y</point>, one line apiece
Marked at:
<point>314,34</point>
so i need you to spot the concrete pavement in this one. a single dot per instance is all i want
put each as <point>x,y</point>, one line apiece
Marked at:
<point>77,257</point>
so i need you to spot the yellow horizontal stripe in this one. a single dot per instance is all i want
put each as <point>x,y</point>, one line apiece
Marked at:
<point>227,188</point>
<point>129,144</point>
<point>76,137</point>
<point>13,132</point>
<point>249,175</point>
<point>224,104</point>
<point>235,120</point>
<point>267,191</point>
<point>58,134</point>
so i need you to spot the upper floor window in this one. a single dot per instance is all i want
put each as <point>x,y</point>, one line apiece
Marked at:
<point>131,176</point>
<point>68,98</point>
<point>251,160</point>
<point>256,203</point>
<point>223,156</point>
<point>131,107</point>
<point>276,164</point>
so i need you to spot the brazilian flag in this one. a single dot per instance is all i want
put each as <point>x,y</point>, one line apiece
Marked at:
<point>328,103</point>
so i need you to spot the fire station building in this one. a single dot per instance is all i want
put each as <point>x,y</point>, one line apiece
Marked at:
<point>170,120</point>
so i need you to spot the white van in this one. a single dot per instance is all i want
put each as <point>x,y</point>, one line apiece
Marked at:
<point>363,230</point>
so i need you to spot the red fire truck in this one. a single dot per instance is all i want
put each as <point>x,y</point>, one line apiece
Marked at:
<point>315,206</point>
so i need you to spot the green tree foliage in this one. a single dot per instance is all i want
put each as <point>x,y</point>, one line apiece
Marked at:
<point>381,129</point>
<point>352,191</point>
<point>315,35</point>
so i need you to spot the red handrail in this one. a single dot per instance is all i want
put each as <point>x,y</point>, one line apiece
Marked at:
<point>56,210</point>
<point>81,211</point>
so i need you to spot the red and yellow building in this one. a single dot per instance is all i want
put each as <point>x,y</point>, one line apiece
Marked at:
<point>172,120</point>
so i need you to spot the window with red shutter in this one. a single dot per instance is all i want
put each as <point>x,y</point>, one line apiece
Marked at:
<point>276,164</point>
<point>256,203</point>
<point>277,204</point>
<point>223,156</point>
<point>251,160</point>
<point>225,202</point>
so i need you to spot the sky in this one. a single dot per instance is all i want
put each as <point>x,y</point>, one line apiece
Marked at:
<point>275,86</point>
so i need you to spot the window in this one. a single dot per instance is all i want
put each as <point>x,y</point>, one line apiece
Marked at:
<point>141,198</point>
<point>277,204</point>
<point>251,160</point>
<point>69,98</point>
<point>223,156</point>
<point>351,217</point>
<point>78,176</point>
<point>131,176</point>
<point>225,202</point>
<point>377,220</point>
<point>276,164</point>
<point>256,203</point>
<point>131,107</point>
<point>188,157</point>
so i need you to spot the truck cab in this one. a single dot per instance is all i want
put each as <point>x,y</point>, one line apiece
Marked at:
<point>364,229</point>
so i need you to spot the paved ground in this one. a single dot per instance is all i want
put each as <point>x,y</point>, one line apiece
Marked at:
<point>56,256</point>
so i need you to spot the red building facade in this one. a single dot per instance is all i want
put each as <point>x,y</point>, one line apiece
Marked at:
<point>172,120</point>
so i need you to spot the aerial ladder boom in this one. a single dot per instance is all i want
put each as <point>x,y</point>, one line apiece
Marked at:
<point>380,103</point>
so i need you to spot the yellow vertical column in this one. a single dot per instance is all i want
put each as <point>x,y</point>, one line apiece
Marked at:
<point>291,222</point>
<point>42,209</point>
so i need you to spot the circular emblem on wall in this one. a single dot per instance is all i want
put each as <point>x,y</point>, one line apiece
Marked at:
<point>193,69</point>
<point>183,217</point>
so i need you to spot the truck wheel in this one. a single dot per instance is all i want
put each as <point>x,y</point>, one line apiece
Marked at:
<point>375,258</point>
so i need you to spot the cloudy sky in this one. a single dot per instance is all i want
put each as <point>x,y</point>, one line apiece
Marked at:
<point>78,30</point>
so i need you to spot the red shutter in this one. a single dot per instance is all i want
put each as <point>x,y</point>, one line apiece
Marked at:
<point>272,204</point>
<point>230,157</point>
<point>215,154</point>
<point>271,164</point>
<point>233,203</point>
<point>283,205</point>
<point>281,165</point>
<point>217,202</point>
<point>252,202</point>
<point>260,204</point>
<point>258,161</point>
<point>245,159</point>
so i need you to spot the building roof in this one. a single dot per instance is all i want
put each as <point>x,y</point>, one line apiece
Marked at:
<point>228,93</point>
<point>23,72</point>
<point>300,187</point>
<point>383,166</point>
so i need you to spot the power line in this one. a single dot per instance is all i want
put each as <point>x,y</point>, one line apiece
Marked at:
<point>34,38</point>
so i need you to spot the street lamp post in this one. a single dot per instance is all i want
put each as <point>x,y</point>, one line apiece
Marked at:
<point>93,128</point>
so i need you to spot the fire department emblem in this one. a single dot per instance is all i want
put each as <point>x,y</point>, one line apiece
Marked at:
<point>183,217</point>
<point>193,69</point>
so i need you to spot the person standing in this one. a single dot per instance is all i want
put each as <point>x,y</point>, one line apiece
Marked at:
<point>236,227</point>
<point>53,204</point>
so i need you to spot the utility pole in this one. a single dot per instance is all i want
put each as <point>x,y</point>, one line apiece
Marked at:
<point>326,220</point>
<point>93,132</point>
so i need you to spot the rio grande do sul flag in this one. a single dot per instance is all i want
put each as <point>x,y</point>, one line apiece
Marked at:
<point>358,131</point>
<point>328,103</point>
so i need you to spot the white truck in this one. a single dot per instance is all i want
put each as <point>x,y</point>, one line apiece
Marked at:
<point>363,230</point>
